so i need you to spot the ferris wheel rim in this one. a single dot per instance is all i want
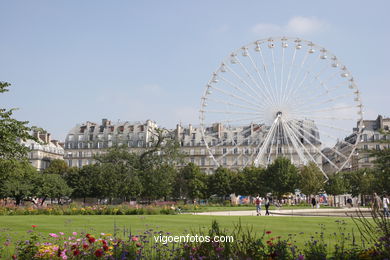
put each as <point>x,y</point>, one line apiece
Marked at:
<point>282,39</point>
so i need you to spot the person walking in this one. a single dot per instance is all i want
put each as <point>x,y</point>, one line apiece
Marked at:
<point>376,205</point>
<point>267,203</point>
<point>385,206</point>
<point>313,202</point>
<point>258,205</point>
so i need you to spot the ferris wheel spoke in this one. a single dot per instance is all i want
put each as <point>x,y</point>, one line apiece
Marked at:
<point>237,87</point>
<point>269,94</point>
<point>318,141</point>
<point>328,110</point>
<point>230,103</point>
<point>275,81</point>
<point>265,66</point>
<point>272,143</point>
<point>265,144</point>
<point>249,75</point>
<point>328,100</point>
<point>315,147</point>
<point>244,82</point>
<point>325,133</point>
<point>288,143</point>
<point>289,74</point>
<point>320,83</point>
<point>296,143</point>
<point>227,93</point>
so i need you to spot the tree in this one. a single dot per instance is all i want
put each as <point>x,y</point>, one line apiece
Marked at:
<point>382,170</point>
<point>251,182</point>
<point>11,130</point>
<point>281,177</point>
<point>220,182</point>
<point>82,181</point>
<point>311,179</point>
<point>50,186</point>
<point>57,166</point>
<point>158,182</point>
<point>361,182</point>
<point>190,183</point>
<point>17,180</point>
<point>336,184</point>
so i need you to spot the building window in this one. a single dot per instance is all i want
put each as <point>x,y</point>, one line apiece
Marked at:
<point>365,137</point>
<point>377,147</point>
<point>70,163</point>
<point>202,161</point>
<point>235,151</point>
<point>365,147</point>
<point>202,151</point>
<point>192,152</point>
<point>80,154</point>
<point>366,159</point>
<point>80,163</point>
<point>109,143</point>
<point>193,136</point>
<point>80,137</point>
<point>225,135</point>
<point>192,160</point>
<point>224,151</point>
<point>70,137</point>
<point>224,161</point>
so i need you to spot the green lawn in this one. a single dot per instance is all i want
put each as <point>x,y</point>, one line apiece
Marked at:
<point>17,226</point>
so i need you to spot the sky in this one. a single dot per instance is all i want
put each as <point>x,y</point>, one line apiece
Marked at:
<point>75,61</point>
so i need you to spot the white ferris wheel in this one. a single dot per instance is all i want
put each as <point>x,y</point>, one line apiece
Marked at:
<point>281,97</point>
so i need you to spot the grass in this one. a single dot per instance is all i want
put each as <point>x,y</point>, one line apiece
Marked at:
<point>17,226</point>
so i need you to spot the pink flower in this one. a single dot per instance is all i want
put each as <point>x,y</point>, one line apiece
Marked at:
<point>74,233</point>
<point>61,233</point>
<point>53,235</point>
<point>134,239</point>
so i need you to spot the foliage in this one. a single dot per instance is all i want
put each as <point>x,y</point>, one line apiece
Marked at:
<point>190,183</point>
<point>16,179</point>
<point>281,177</point>
<point>89,210</point>
<point>361,182</point>
<point>220,183</point>
<point>311,179</point>
<point>57,166</point>
<point>12,130</point>
<point>336,185</point>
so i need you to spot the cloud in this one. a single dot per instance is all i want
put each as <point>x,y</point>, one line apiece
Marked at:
<point>296,25</point>
<point>305,25</point>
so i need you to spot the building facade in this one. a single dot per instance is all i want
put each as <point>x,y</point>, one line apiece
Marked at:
<point>233,147</point>
<point>43,152</point>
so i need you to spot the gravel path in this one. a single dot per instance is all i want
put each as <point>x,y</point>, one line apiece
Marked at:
<point>343,212</point>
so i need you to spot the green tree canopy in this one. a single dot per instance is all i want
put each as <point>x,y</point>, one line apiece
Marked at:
<point>11,130</point>
<point>281,177</point>
<point>311,179</point>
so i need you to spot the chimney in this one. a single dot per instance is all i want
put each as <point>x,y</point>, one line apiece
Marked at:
<point>104,121</point>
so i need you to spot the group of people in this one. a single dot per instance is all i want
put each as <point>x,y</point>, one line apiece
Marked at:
<point>259,201</point>
<point>381,203</point>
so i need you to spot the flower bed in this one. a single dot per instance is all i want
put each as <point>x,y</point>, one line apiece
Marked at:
<point>90,210</point>
<point>245,245</point>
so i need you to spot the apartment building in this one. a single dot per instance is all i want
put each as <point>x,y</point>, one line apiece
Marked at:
<point>43,152</point>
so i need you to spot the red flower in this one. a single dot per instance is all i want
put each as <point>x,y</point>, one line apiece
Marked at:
<point>91,240</point>
<point>87,235</point>
<point>34,226</point>
<point>268,232</point>
<point>105,247</point>
<point>138,244</point>
<point>99,253</point>
<point>85,246</point>
<point>272,238</point>
<point>76,252</point>
<point>104,242</point>
<point>73,247</point>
